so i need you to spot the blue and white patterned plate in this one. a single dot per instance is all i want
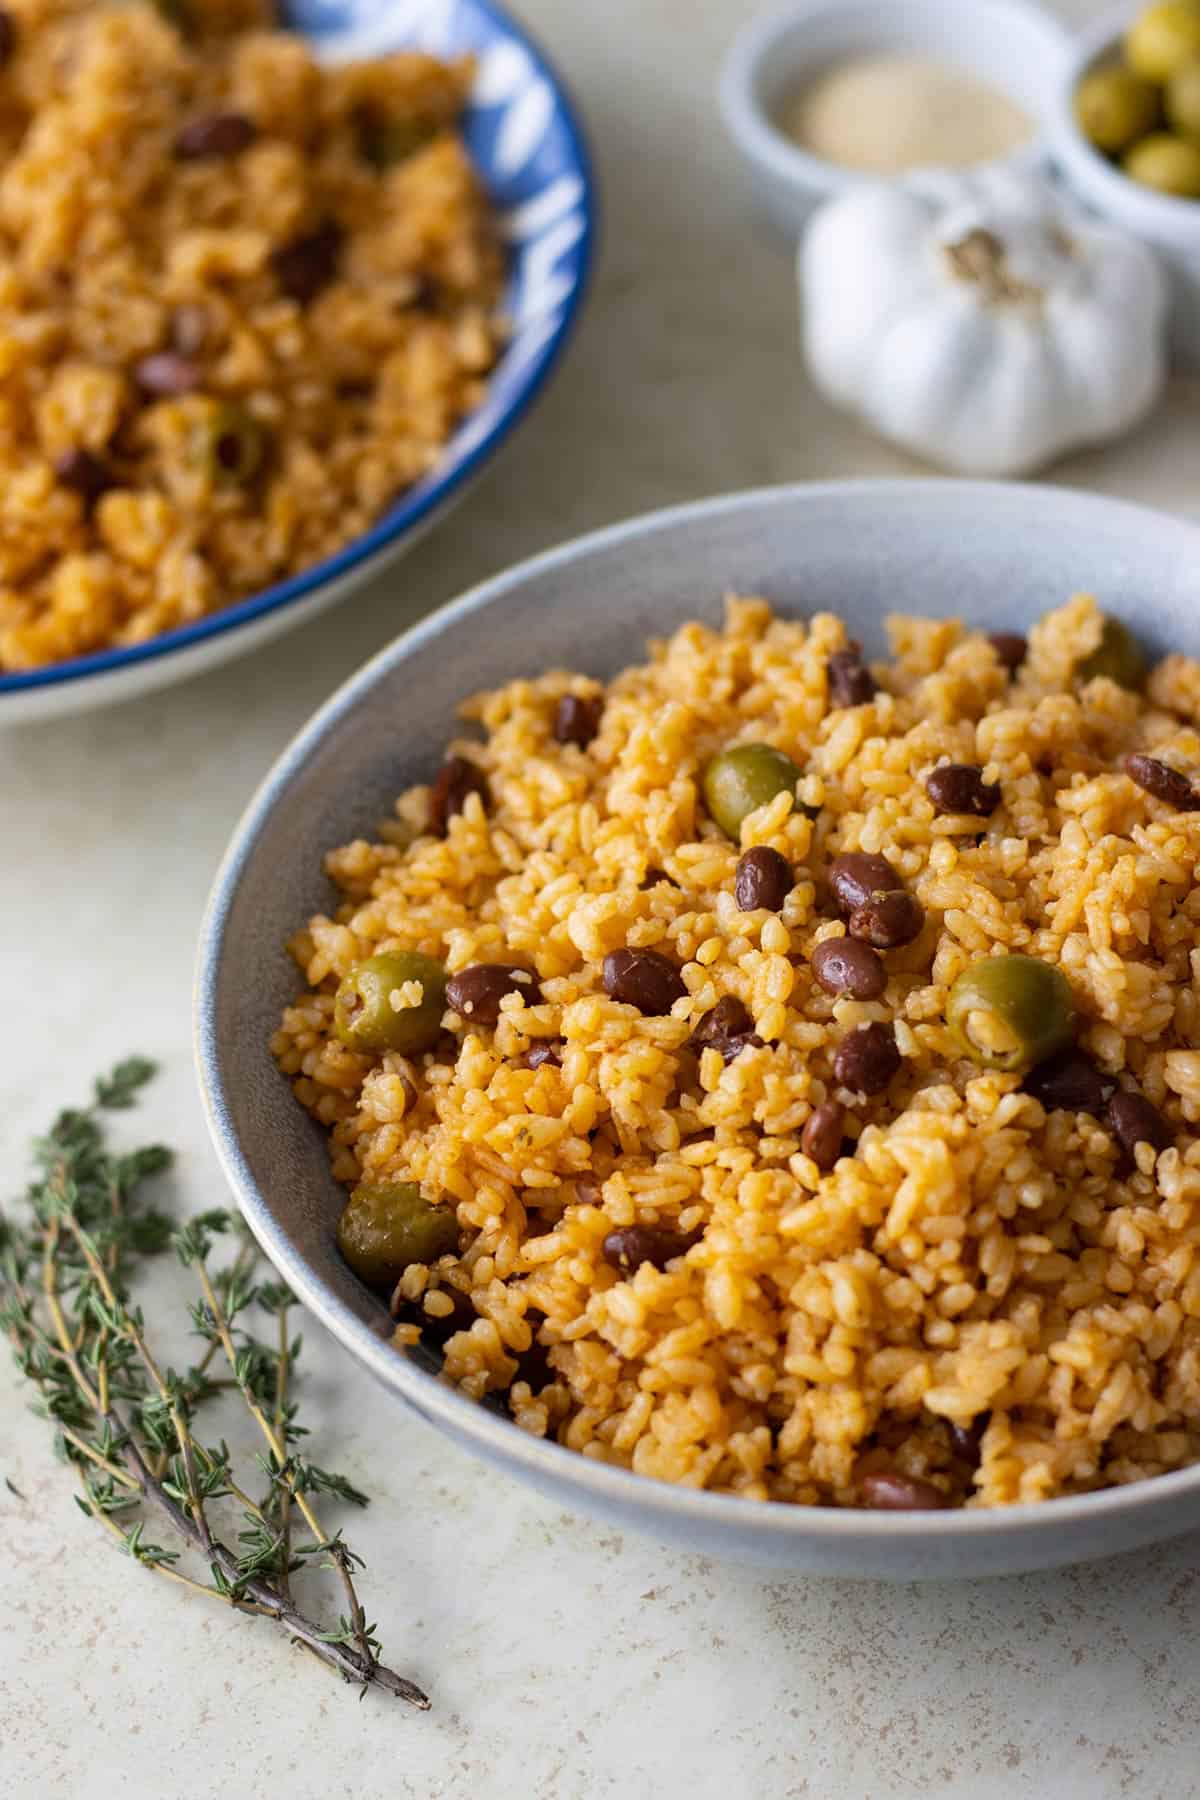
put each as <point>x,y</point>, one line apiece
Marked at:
<point>525,140</point>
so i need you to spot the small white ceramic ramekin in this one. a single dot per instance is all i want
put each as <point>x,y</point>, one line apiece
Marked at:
<point>1010,43</point>
<point>1171,227</point>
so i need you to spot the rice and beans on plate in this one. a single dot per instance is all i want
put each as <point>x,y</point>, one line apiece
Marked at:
<point>244,301</point>
<point>777,1073</point>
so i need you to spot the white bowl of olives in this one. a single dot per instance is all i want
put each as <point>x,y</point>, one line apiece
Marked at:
<point>1127,140</point>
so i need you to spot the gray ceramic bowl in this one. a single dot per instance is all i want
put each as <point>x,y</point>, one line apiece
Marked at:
<point>997,556</point>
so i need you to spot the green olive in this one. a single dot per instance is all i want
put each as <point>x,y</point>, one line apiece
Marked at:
<point>385,142</point>
<point>365,1017</point>
<point>1183,102</point>
<point>1117,656</point>
<point>1008,1012</point>
<point>1162,38</point>
<point>1169,164</point>
<point>229,444</point>
<point>387,1225</point>
<point>1114,108</point>
<point>737,782</point>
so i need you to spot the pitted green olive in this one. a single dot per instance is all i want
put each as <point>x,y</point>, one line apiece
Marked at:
<point>1162,38</point>
<point>371,1012</point>
<point>1117,656</point>
<point>387,141</point>
<point>1170,164</point>
<point>387,1225</point>
<point>1183,102</point>
<point>737,782</point>
<point>1009,1012</point>
<point>229,444</point>
<point>1114,108</point>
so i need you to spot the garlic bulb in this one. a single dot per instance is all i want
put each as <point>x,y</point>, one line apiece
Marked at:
<point>971,318</point>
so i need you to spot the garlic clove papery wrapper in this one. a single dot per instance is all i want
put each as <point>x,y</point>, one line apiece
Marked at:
<point>973,319</point>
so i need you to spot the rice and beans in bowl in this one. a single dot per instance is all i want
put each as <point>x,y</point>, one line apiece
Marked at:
<point>245,299</point>
<point>778,1074</point>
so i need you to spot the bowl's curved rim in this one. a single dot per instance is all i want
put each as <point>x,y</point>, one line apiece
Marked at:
<point>430,494</point>
<point>435,1399</point>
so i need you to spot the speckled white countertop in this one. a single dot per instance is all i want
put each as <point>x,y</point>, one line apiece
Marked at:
<point>565,1661</point>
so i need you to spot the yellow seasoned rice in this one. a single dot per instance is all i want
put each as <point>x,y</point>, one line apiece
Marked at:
<point>114,248</point>
<point>971,1257</point>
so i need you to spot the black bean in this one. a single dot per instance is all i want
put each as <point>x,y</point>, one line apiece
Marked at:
<point>856,875</point>
<point>460,1318</point>
<point>454,781</point>
<point>965,1440</point>
<point>8,35</point>
<point>960,788</point>
<point>85,473</point>
<point>843,966</point>
<point>1010,647</point>
<point>576,721</point>
<point>867,1058</point>
<point>475,992</point>
<point>727,1028</point>
<point>544,1051</point>
<point>215,134</point>
<point>823,1133</point>
<point>533,1367</point>
<point>1069,1082</point>
<point>1163,782</point>
<point>166,374</point>
<point>190,326</point>
<point>423,292</point>
<point>888,920</point>
<point>642,978</point>
<point>763,879</point>
<point>309,263</point>
<point>850,681</point>
<point>178,14</point>
<point>889,1491</point>
<point>633,1245</point>
<point>1135,1121</point>
<point>891,1431</point>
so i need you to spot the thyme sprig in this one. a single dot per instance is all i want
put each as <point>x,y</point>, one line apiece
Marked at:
<point>128,1425</point>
